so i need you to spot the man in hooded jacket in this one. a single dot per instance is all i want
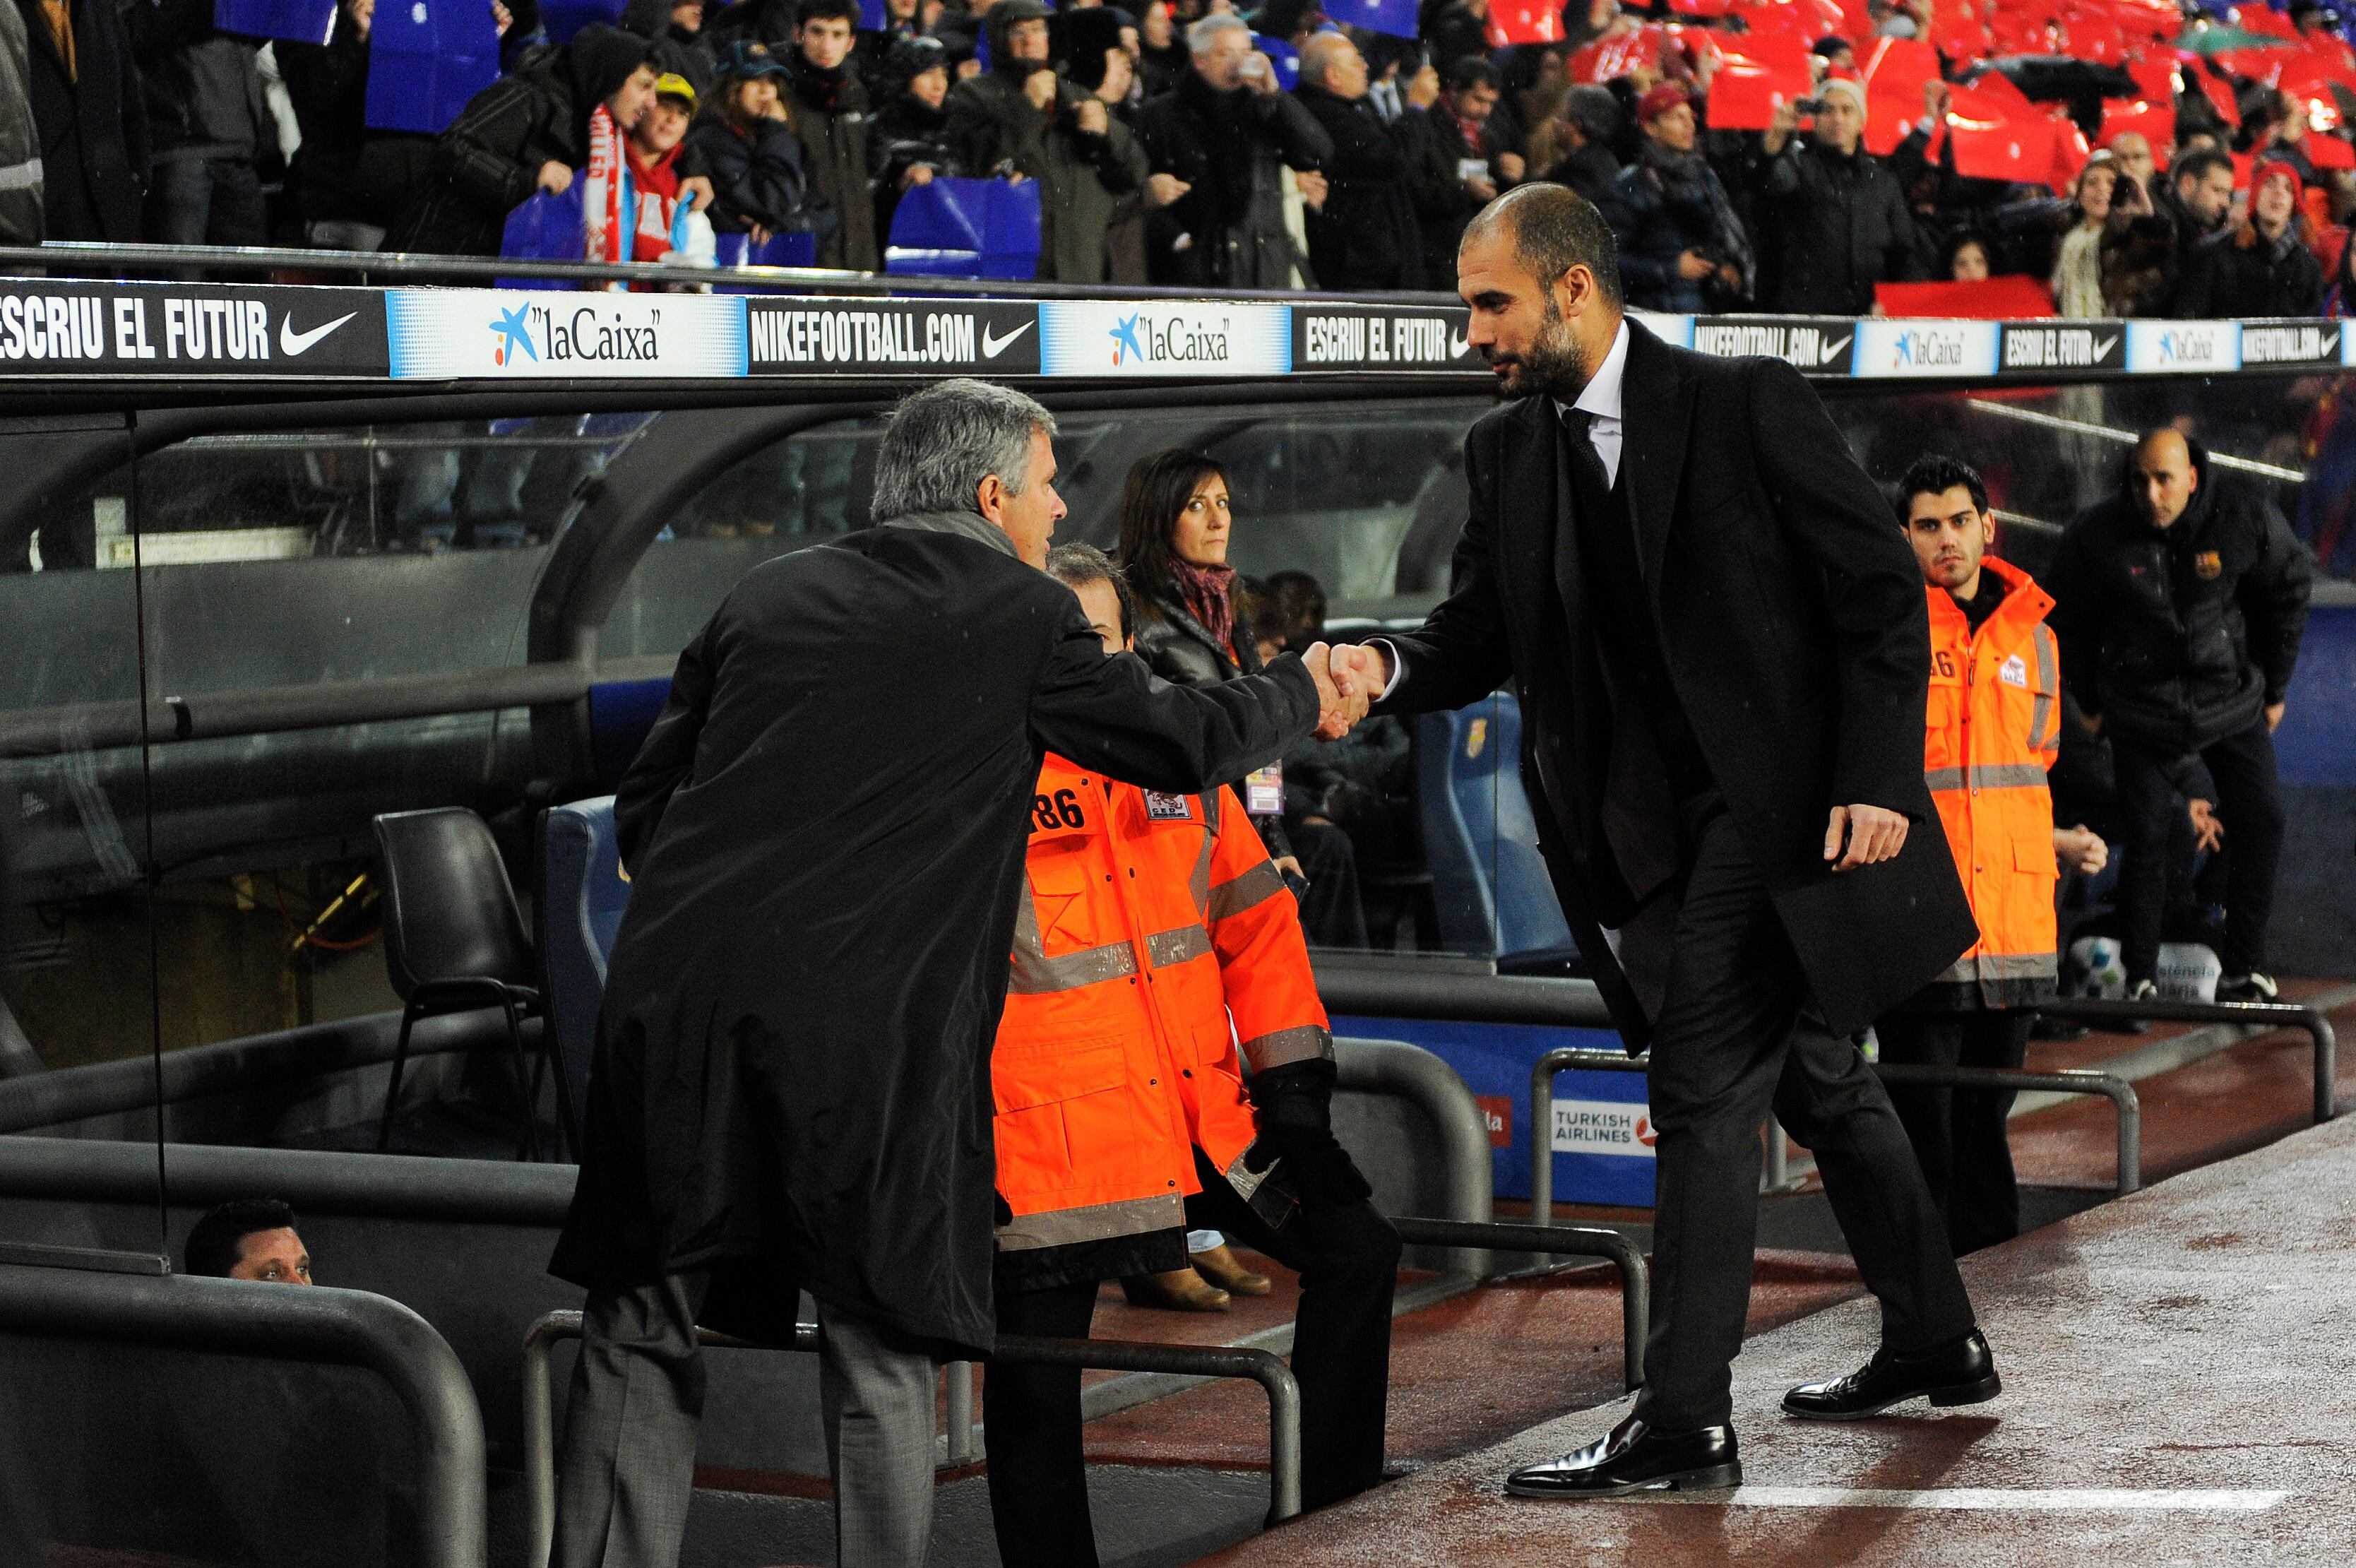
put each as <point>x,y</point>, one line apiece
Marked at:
<point>1020,116</point>
<point>523,133</point>
<point>791,1088</point>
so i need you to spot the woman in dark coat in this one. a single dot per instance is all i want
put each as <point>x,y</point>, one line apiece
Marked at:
<point>1175,524</point>
<point>759,184</point>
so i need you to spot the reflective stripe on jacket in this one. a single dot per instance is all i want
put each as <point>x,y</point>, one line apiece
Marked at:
<point>1995,728</point>
<point>1149,920</point>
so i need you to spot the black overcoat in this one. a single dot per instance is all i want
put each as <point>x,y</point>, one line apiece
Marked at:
<point>825,831</point>
<point>1791,617</point>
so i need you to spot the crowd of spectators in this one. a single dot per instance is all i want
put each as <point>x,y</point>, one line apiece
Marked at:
<point>1209,143</point>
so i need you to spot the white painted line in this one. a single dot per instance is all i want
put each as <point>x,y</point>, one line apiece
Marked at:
<point>2090,1499</point>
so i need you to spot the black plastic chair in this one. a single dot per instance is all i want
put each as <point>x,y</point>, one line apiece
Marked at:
<point>454,941</point>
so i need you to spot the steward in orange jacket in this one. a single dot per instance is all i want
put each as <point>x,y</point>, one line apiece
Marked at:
<point>1163,1062</point>
<point>1994,728</point>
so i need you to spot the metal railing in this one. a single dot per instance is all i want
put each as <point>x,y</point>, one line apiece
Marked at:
<point>86,257</point>
<point>1565,1241</point>
<point>2118,1090</point>
<point>2247,1014</point>
<point>1409,1072</point>
<point>1096,1355</point>
<point>341,1328</point>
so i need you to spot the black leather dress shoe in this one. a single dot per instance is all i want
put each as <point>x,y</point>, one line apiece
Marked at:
<point>1959,1372</point>
<point>1636,1459</point>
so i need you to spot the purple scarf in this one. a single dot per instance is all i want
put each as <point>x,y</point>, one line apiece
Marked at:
<point>1208,594</point>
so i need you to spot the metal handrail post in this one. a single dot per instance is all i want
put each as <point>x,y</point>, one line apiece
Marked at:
<point>341,1328</point>
<point>1096,1355</point>
<point>1569,1242</point>
<point>2118,1090</point>
<point>1562,1059</point>
<point>957,1446</point>
<point>1412,1073</point>
<point>2247,1014</point>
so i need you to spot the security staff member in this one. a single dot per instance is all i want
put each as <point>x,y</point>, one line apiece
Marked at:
<point>1994,728</point>
<point>2181,602</point>
<point>1124,1116</point>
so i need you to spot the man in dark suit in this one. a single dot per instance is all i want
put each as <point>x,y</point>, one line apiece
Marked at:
<point>1721,651</point>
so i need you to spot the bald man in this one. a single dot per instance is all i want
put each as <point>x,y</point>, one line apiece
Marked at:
<point>2180,603</point>
<point>1364,237</point>
<point>2132,152</point>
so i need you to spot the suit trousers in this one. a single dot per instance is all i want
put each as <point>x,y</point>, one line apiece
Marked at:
<point>627,1466</point>
<point>1959,1135</point>
<point>2249,802</point>
<point>1348,1260</point>
<point>1735,1036</point>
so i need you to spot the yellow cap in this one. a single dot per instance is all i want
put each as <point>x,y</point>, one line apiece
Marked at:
<point>670,84</point>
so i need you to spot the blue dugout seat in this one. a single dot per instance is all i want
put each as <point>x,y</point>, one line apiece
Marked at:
<point>1488,879</point>
<point>584,894</point>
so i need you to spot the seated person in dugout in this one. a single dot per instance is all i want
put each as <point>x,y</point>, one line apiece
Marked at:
<point>248,1238</point>
<point>1994,728</point>
<point>1127,1110</point>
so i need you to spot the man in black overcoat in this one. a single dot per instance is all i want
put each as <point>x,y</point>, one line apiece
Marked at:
<point>791,1087</point>
<point>1721,650</point>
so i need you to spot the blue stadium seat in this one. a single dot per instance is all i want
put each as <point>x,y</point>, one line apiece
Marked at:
<point>1488,879</point>
<point>584,894</point>
<point>620,715</point>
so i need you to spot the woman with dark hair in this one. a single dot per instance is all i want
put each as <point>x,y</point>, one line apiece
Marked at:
<point>1191,628</point>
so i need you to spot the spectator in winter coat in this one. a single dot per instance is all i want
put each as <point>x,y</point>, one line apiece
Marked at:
<point>871,56</point>
<point>1682,250</point>
<point>908,143</point>
<point>209,127</point>
<point>1099,48</point>
<point>1840,213</point>
<point>2266,267</point>
<point>1020,118</point>
<point>749,148</point>
<point>1217,144</point>
<point>1460,32</point>
<point>1364,236</point>
<point>2196,196</point>
<point>676,28</point>
<point>1462,162</point>
<point>1579,152</point>
<point>1161,59</point>
<point>20,140</point>
<point>92,116</point>
<point>523,134</point>
<point>830,109</point>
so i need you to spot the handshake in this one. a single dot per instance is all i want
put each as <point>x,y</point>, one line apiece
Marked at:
<point>1349,678</point>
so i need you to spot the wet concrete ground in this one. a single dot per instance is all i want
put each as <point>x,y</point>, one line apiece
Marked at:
<point>2187,1346</point>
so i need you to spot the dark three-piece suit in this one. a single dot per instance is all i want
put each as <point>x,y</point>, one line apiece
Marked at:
<point>1712,650</point>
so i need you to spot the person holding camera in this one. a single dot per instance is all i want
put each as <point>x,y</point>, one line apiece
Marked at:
<point>1840,213</point>
<point>1682,248</point>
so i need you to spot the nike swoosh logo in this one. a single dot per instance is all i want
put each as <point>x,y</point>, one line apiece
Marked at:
<point>1831,351</point>
<point>2104,345</point>
<point>1456,346</point>
<point>2330,341</point>
<point>992,345</point>
<point>293,343</point>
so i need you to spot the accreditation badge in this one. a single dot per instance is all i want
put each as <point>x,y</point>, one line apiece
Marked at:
<point>1264,790</point>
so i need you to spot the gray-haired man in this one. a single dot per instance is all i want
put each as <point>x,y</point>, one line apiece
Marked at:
<point>791,1091</point>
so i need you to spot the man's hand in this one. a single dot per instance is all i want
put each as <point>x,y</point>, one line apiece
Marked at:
<point>2094,724</point>
<point>1342,697</point>
<point>1781,122</point>
<point>554,178</point>
<point>362,13</point>
<point>1510,165</point>
<point>1289,866</point>
<point>2081,850</point>
<point>1483,189</point>
<point>2208,833</point>
<point>1089,115</point>
<point>916,174</point>
<point>1313,188</point>
<point>1369,667</point>
<point>501,18</point>
<point>698,190</point>
<point>2274,715</point>
<point>1165,189</point>
<point>1263,80</point>
<point>1039,87</point>
<point>1873,833</point>
<point>1693,266</point>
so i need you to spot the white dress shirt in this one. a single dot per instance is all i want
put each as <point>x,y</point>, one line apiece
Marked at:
<point>1600,397</point>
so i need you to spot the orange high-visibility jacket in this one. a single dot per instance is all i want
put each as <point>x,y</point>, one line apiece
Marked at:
<point>1148,921</point>
<point>1995,728</point>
